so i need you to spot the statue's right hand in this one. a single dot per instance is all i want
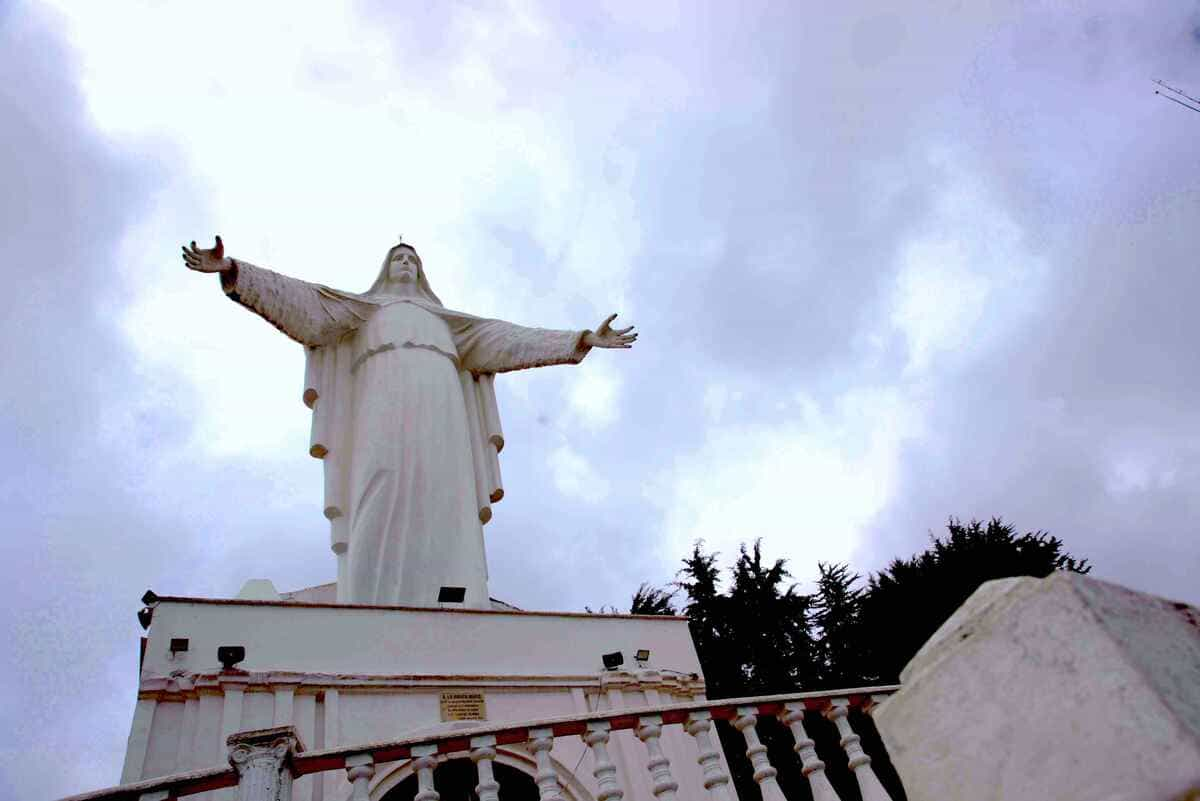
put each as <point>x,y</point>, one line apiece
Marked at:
<point>211,260</point>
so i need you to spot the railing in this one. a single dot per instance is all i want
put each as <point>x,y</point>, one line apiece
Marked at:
<point>265,761</point>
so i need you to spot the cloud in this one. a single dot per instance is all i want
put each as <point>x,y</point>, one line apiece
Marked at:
<point>807,484</point>
<point>887,269</point>
<point>575,477</point>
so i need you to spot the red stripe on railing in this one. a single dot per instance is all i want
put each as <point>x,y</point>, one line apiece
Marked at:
<point>332,759</point>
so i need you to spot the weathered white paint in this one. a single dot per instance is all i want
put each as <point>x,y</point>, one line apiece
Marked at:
<point>1057,689</point>
<point>344,674</point>
<point>386,641</point>
<point>406,494</point>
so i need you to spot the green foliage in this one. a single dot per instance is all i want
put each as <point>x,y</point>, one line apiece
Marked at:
<point>652,601</point>
<point>758,635</point>
<point>840,649</point>
<point>906,603</point>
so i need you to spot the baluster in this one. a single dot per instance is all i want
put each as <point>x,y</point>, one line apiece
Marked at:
<point>483,753</point>
<point>359,770</point>
<point>605,771</point>
<point>764,774</point>
<point>810,765</point>
<point>716,780</point>
<point>860,763</point>
<point>424,760</point>
<point>541,741</point>
<point>649,729</point>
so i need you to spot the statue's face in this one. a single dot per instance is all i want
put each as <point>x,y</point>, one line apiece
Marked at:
<point>402,266</point>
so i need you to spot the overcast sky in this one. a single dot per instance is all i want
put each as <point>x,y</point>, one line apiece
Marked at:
<point>888,268</point>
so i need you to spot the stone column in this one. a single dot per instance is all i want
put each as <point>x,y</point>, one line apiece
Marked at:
<point>756,752</point>
<point>605,772</point>
<point>483,754</point>
<point>716,780</point>
<point>359,770</point>
<point>649,730</point>
<point>262,759</point>
<point>811,767</point>
<point>541,741</point>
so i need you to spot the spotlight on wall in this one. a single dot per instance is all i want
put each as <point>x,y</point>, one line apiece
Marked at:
<point>613,661</point>
<point>642,655</point>
<point>145,615</point>
<point>149,598</point>
<point>452,595</point>
<point>230,655</point>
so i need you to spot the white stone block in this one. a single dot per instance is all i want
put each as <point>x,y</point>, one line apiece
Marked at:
<point>258,590</point>
<point>1061,688</point>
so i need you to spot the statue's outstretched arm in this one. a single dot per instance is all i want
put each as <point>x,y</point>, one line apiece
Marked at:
<point>311,314</point>
<point>494,346</point>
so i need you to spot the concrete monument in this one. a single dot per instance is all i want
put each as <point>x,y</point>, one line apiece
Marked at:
<point>404,417</point>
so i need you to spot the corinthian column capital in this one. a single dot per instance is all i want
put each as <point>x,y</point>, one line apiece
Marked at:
<point>262,759</point>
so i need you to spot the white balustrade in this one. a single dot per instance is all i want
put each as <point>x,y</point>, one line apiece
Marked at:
<point>716,780</point>
<point>860,763</point>
<point>265,761</point>
<point>605,772</point>
<point>359,770</point>
<point>756,752</point>
<point>541,741</point>
<point>483,754</point>
<point>424,761</point>
<point>811,767</point>
<point>649,730</point>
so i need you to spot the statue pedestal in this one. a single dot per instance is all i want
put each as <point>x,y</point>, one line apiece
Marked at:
<point>342,674</point>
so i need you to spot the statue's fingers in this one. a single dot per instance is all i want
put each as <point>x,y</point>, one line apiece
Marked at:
<point>622,331</point>
<point>608,320</point>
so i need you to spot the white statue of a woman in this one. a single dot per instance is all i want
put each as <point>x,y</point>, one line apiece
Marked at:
<point>404,416</point>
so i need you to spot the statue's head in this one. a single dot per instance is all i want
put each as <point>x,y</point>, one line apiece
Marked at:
<point>403,273</point>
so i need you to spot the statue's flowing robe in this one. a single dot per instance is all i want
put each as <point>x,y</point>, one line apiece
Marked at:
<point>405,419</point>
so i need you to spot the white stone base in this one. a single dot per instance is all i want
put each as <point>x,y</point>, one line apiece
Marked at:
<point>351,674</point>
<point>1058,688</point>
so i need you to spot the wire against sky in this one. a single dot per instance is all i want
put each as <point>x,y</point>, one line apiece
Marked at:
<point>1179,92</point>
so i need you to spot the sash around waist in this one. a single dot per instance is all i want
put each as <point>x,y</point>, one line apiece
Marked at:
<point>385,347</point>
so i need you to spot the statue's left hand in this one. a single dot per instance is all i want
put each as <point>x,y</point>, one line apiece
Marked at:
<point>608,337</point>
<point>207,260</point>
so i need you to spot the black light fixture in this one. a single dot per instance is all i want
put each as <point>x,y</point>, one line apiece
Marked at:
<point>230,655</point>
<point>613,661</point>
<point>642,655</point>
<point>452,595</point>
<point>145,615</point>
<point>179,645</point>
<point>149,598</point>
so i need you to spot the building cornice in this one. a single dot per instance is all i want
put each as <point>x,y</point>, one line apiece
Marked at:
<point>181,599</point>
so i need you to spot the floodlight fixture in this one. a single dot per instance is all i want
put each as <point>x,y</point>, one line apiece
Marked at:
<point>145,615</point>
<point>642,655</point>
<point>149,598</point>
<point>613,661</point>
<point>179,645</point>
<point>452,595</point>
<point>230,655</point>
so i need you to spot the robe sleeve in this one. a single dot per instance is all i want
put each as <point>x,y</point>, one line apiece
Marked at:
<point>494,346</point>
<point>311,314</point>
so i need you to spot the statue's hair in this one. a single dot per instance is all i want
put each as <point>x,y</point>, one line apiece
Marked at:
<point>423,287</point>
